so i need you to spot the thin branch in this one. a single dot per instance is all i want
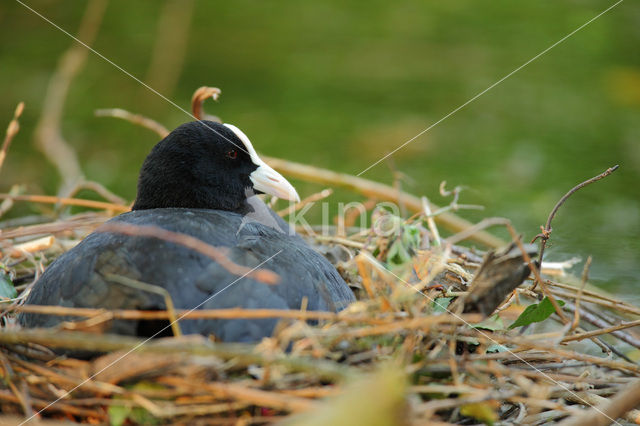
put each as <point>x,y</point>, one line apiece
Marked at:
<point>546,231</point>
<point>310,199</point>
<point>624,401</point>
<point>242,354</point>
<point>12,131</point>
<point>585,278</point>
<point>49,199</point>
<point>138,119</point>
<point>199,96</point>
<point>198,314</point>
<point>48,130</point>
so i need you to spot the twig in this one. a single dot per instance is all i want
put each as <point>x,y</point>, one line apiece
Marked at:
<point>199,96</point>
<point>430,222</point>
<point>626,400</point>
<point>138,119</point>
<point>48,132</point>
<point>310,199</point>
<point>12,130</point>
<point>599,332</point>
<point>184,314</point>
<point>546,231</point>
<point>7,204</point>
<point>33,246</point>
<point>49,199</point>
<point>514,235</point>
<point>243,354</point>
<point>82,220</point>
<point>98,189</point>
<point>259,397</point>
<point>585,278</point>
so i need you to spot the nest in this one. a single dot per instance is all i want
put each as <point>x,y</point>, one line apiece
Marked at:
<point>440,333</point>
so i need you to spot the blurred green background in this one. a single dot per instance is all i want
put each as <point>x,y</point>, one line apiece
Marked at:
<point>338,84</point>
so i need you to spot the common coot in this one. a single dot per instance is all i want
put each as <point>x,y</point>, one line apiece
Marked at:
<point>200,180</point>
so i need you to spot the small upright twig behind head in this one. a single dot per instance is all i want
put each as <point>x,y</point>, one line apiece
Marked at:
<point>199,96</point>
<point>546,231</point>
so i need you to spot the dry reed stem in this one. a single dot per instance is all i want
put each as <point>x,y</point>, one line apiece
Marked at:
<point>199,96</point>
<point>624,401</point>
<point>310,199</point>
<point>600,332</point>
<point>99,189</point>
<point>546,231</point>
<point>48,130</point>
<point>242,354</point>
<point>33,246</point>
<point>49,199</point>
<point>259,397</point>
<point>184,314</point>
<point>12,131</point>
<point>137,119</point>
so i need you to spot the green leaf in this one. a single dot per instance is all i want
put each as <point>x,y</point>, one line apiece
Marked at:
<point>441,304</point>
<point>493,323</point>
<point>536,313</point>
<point>398,254</point>
<point>497,348</point>
<point>7,290</point>
<point>141,416</point>
<point>118,414</point>
<point>482,411</point>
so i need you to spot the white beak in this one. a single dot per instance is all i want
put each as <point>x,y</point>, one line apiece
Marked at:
<point>267,180</point>
<point>264,178</point>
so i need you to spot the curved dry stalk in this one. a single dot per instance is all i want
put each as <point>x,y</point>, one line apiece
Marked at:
<point>49,199</point>
<point>184,314</point>
<point>199,96</point>
<point>546,231</point>
<point>242,354</point>
<point>310,199</point>
<point>138,119</point>
<point>48,132</point>
<point>625,400</point>
<point>12,131</point>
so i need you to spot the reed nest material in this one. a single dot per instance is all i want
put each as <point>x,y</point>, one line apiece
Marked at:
<point>396,355</point>
<point>440,334</point>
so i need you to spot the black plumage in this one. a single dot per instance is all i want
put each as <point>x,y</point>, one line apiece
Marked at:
<point>198,181</point>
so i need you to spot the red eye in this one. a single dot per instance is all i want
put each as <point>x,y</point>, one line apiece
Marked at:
<point>232,154</point>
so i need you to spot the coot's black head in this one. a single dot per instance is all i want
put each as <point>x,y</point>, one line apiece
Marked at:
<point>206,165</point>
